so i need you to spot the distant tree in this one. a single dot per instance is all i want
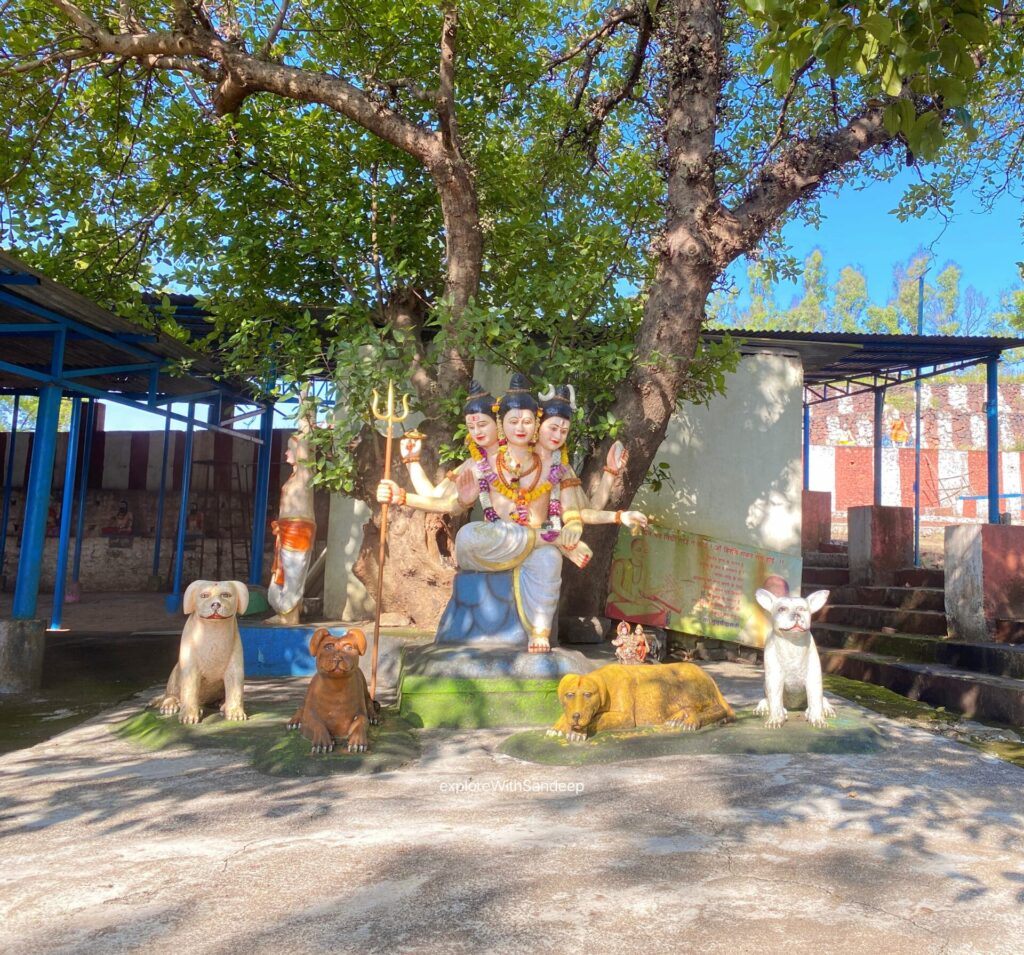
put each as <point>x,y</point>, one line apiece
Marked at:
<point>810,312</point>
<point>849,300</point>
<point>28,408</point>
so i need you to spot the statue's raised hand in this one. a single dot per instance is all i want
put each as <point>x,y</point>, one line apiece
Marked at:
<point>466,487</point>
<point>410,447</point>
<point>634,519</point>
<point>618,456</point>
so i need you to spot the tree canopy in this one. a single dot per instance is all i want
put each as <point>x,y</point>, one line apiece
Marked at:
<point>559,186</point>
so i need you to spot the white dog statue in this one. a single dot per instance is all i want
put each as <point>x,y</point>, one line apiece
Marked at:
<point>792,670</point>
<point>210,667</point>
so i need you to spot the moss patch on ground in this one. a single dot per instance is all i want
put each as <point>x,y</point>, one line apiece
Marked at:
<point>935,719</point>
<point>849,732</point>
<point>271,747</point>
<point>886,702</point>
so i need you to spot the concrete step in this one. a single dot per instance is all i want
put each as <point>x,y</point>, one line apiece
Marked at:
<point>814,578</point>
<point>920,577</point>
<point>993,659</point>
<point>904,598</point>
<point>977,696</point>
<point>880,618</point>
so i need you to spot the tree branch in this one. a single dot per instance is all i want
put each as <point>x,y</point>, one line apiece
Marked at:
<point>446,90</point>
<point>615,18</point>
<point>606,103</point>
<point>240,74</point>
<point>275,30</point>
<point>799,171</point>
<point>780,129</point>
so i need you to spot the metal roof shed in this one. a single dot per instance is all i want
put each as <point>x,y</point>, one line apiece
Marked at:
<point>57,343</point>
<point>838,364</point>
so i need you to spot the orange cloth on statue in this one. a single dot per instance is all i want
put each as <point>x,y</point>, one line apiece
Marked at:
<point>295,533</point>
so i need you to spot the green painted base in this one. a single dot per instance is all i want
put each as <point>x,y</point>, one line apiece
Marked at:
<point>849,732</point>
<point>271,747</point>
<point>257,604</point>
<point>430,701</point>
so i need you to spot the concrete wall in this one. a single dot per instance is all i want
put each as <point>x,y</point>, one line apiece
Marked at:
<point>126,466</point>
<point>124,564</point>
<point>736,465</point>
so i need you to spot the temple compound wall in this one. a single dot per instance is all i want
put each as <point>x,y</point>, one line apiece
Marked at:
<point>125,466</point>
<point>954,469</point>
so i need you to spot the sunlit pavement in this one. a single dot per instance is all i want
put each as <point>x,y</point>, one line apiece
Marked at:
<point>109,848</point>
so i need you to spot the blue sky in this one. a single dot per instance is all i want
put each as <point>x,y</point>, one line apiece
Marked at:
<point>859,230</point>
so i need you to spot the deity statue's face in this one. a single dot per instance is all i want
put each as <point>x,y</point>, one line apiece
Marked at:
<point>483,429</point>
<point>519,425</point>
<point>552,434</point>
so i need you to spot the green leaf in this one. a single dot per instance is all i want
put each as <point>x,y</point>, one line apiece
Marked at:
<point>891,118</point>
<point>891,82</point>
<point>879,26</point>
<point>953,90</point>
<point>971,28</point>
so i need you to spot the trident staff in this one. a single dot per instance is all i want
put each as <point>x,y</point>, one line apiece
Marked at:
<point>392,419</point>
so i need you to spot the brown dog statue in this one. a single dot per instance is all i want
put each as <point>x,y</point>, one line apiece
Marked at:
<point>337,704</point>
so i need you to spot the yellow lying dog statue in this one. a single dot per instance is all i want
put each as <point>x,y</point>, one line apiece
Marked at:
<point>617,697</point>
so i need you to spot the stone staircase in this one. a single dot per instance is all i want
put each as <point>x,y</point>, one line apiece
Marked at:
<point>896,637</point>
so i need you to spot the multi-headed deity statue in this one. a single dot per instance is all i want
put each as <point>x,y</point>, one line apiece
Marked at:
<point>533,508</point>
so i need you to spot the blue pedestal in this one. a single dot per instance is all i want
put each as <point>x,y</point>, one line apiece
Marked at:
<point>279,651</point>
<point>482,609</point>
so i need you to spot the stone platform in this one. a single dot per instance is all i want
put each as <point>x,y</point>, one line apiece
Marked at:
<point>487,683</point>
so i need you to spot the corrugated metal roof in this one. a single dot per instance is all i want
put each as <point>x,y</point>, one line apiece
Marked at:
<point>851,362</point>
<point>97,339</point>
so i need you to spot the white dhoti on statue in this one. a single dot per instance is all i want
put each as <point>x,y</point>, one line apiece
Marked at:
<point>293,553</point>
<point>536,567</point>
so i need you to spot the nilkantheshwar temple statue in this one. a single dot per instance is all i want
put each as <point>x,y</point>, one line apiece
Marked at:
<point>294,533</point>
<point>533,512</point>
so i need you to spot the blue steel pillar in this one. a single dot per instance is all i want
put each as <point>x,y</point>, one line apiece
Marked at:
<point>66,508</point>
<point>8,483</point>
<point>262,495</point>
<point>879,421</point>
<point>174,598</point>
<point>161,499</point>
<point>992,420</point>
<point>807,447</point>
<point>917,429</point>
<point>37,504</point>
<point>83,487</point>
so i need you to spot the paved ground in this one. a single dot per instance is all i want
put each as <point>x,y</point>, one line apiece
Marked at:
<point>108,848</point>
<point>114,612</point>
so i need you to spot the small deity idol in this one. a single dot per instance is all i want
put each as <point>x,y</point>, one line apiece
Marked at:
<point>631,646</point>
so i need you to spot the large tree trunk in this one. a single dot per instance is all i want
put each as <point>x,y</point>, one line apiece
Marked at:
<point>420,559</point>
<point>689,36</point>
